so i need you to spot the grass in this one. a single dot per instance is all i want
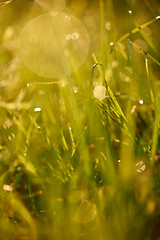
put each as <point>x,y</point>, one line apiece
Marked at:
<point>75,165</point>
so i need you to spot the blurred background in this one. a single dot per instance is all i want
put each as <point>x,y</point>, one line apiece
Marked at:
<point>72,166</point>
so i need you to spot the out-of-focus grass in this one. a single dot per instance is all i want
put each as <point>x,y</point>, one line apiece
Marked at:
<point>76,164</point>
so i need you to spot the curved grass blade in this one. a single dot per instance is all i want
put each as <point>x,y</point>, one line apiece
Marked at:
<point>114,100</point>
<point>5,2</point>
<point>147,71</point>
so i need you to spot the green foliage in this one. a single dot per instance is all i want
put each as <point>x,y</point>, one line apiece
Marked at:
<point>75,164</point>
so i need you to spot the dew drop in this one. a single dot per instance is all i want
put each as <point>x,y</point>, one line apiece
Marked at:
<point>111,44</point>
<point>141,101</point>
<point>75,89</point>
<point>37,109</point>
<point>29,84</point>
<point>7,188</point>
<point>99,92</point>
<point>130,11</point>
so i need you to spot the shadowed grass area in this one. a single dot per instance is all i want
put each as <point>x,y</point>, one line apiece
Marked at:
<point>80,153</point>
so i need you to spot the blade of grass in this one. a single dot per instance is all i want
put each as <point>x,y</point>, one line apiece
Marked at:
<point>147,71</point>
<point>108,88</point>
<point>155,131</point>
<point>102,32</point>
<point>137,29</point>
<point>144,35</point>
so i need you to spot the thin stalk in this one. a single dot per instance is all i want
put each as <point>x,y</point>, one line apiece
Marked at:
<point>137,29</point>
<point>147,71</point>
<point>114,100</point>
<point>155,132</point>
<point>102,32</point>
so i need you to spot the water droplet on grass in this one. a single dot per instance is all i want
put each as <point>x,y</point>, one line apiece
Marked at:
<point>99,92</point>
<point>7,188</point>
<point>141,101</point>
<point>37,109</point>
<point>108,26</point>
<point>75,89</point>
<point>29,84</point>
<point>130,11</point>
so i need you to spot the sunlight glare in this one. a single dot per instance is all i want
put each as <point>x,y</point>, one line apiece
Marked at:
<point>51,45</point>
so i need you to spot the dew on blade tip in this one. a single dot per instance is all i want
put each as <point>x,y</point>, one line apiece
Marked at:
<point>130,11</point>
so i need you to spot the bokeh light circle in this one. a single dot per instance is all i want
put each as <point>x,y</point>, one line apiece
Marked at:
<point>142,44</point>
<point>53,44</point>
